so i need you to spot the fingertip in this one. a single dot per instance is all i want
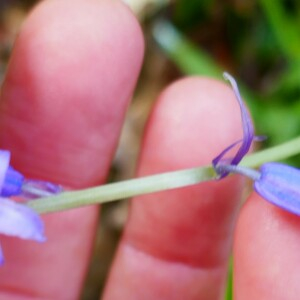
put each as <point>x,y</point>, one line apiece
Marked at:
<point>192,121</point>
<point>266,247</point>
<point>196,117</point>
<point>69,82</point>
<point>70,78</point>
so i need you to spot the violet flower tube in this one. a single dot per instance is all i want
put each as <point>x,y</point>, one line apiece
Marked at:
<point>16,219</point>
<point>275,182</point>
<point>13,182</point>
<point>280,184</point>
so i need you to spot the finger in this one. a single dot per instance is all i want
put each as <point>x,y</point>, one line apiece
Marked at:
<point>177,243</point>
<point>69,81</point>
<point>266,252</point>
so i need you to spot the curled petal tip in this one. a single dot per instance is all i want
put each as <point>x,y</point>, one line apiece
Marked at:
<point>227,76</point>
<point>248,133</point>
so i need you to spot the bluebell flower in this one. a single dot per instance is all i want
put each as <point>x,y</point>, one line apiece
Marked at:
<point>275,182</point>
<point>13,182</point>
<point>280,185</point>
<point>245,142</point>
<point>18,220</point>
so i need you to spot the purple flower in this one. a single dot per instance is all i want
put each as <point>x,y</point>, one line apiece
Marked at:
<point>275,182</point>
<point>13,182</point>
<point>280,184</point>
<point>16,219</point>
<point>245,142</point>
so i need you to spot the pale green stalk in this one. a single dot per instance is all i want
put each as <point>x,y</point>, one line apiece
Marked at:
<point>155,183</point>
<point>279,152</point>
<point>123,189</point>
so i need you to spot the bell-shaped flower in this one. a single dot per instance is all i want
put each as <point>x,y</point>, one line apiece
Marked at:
<point>20,221</point>
<point>280,184</point>
<point>275,182</point>
<point>16,219</point>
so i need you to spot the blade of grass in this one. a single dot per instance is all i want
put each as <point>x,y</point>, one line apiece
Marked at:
<point>229,287</point>
<point>192,60</point>
<point>185,54</point>
<point>284,27</point>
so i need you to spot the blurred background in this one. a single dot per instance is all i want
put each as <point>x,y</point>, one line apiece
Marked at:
<point>256,41</point>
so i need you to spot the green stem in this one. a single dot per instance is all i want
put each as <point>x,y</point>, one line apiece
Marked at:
<point>279,152</point>
<point>123,189</point>
<point>154,183</point>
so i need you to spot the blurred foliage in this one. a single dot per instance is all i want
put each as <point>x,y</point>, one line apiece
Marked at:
<point>258,42</point>
<point>186,14</point>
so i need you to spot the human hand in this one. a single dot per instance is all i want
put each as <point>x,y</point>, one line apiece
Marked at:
<point>70,79</point>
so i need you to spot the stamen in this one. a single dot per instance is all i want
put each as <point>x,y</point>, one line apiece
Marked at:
<point>32,189</point>
<point>250,173</point>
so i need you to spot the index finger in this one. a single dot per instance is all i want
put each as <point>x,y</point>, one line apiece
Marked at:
<point>176,243</point>
<point>69,82</point>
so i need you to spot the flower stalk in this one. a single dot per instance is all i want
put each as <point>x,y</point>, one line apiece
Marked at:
<point>124,189</point>
<point>150,184</point>
<point>275,182</point>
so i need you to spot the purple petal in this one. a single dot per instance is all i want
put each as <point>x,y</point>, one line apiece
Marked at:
<point>20,221</point>
<point>4,164</point>
<point>248,132</point>
<point>280,185</point>
<point>12,183</point>
<point>1,257</point>
<point>222,154</point>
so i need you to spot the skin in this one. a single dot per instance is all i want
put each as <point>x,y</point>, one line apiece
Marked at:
<point>68,84</point>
